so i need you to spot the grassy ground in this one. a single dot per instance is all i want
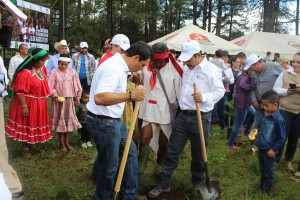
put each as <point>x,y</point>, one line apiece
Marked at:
<point>56,175</point>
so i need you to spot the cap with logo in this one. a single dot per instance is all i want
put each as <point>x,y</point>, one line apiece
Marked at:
<point>121,40</point>
<point>250,60</point>
<point>189,49</point>
<point>83,45</point>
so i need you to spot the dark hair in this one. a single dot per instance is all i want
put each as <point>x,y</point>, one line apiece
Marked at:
<point>85,92</point>
<point>21,45</point>
<point>277,55</point>
<point>225,53</point>
<point>270,96</point>
<point>219,53</point>
<point>268,53</point>
<point>233,59</point>
<point>173,51</point>
<point>241,55</point>
<point>160,48</point>
<point>30,60</point>
<point>140,48</point>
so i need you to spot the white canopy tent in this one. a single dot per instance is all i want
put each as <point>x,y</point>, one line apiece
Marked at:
<point>208,41</point>
<point>13,10</point>
<point>262,42</point>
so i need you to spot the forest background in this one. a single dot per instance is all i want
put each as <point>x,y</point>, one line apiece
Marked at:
<point>94,21</point>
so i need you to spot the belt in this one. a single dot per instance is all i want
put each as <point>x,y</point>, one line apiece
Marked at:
<point>192,112</point>
<point>99,116</point>
<point>189,112</point>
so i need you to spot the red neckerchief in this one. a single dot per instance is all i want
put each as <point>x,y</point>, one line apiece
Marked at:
<point>107,55</point>
<point>152,77</point>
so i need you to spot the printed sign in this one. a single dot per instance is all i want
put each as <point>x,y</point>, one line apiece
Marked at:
<point>35,30</point>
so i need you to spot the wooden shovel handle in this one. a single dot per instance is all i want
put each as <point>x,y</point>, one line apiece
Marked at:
<point>127,146</point>
<point>202,140</point>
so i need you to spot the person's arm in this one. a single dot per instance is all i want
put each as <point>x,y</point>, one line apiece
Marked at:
<point>245,84</point>
<point>280,128</point>
<point>49,66</point>
<point>93,67</point>
<point>22,102</point>
<point>11,69</point>
<point>278,86</point>
<point>110,98</point>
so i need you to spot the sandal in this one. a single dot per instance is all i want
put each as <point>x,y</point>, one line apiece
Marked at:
<point>26,153</point>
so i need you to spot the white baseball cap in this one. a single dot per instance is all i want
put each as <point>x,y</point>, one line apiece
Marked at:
<point>189,49</point>
<point>121,40</point>
<point>250,60</point>
<point>83,45</point>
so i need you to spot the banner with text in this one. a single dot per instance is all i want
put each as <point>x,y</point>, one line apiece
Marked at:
<point>33,31</point>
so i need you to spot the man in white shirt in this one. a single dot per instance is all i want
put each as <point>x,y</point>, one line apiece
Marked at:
<point>207,76</point>
<point>17,59</point>
<point>105,107</point>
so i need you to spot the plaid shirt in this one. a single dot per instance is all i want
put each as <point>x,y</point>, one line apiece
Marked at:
<point>89,64</point>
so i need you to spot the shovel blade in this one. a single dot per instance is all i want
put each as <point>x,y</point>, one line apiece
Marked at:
<point>214,190</point>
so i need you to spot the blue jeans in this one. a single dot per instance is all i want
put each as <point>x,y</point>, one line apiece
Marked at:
<point>110,138</point>
<point>95,166</point>
<point>221,111</point>
<point>292,135</point>
<point>185,127</point>
<point>266,167</point>
<point>240,116</point>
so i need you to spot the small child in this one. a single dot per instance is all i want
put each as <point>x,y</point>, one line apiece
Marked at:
<point>64,82</point>
<point>270,138</point>
<point>81,115</point>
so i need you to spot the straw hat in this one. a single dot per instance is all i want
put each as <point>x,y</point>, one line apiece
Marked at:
<point>61,43</point>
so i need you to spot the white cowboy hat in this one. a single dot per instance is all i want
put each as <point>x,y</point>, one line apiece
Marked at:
<point>61,43</point>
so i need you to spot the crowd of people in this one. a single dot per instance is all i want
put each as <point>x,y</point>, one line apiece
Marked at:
<point>96,98</point>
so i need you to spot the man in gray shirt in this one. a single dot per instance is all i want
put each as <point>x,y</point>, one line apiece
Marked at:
<point>264,76</point>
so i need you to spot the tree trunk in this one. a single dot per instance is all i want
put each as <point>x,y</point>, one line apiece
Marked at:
<point>219,18</point>
<point>195,12</point>
<point>78,12</point>
<point>209,15</point>
<point>231,18</point>
<point>297,18</point>
<point>153,20</point>
<point>205,2</point>
<point>62,19</point>
<point>109,32</point>
<point>170,16</point>
<point>270,16</point>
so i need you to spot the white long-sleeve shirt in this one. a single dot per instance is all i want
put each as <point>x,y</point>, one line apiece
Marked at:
<point>208,78</point>
<point>278,86</point>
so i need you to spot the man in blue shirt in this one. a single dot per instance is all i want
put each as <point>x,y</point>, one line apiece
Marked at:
<point>84,64</point>
<point>62,48</point>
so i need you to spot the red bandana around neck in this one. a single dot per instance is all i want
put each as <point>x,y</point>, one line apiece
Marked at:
<point>107,55</point>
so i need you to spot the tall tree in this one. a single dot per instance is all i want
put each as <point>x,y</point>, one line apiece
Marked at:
<point>219,18</point>
<point>297,18</point>
<point>270,15</point>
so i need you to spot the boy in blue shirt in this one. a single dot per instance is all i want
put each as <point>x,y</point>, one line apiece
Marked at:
<point>270,138</point>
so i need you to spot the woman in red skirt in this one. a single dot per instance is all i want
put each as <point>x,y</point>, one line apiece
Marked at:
<point>28,120</point>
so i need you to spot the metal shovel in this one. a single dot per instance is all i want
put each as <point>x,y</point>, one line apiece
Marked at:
<point>210,189</point>
<point>126,150</point>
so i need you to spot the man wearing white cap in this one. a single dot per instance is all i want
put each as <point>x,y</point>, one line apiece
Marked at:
<point>119,43</point>
<point>62,48</point>
<point>207,76</point>
<point>84,64</point>
<point>264,76</point>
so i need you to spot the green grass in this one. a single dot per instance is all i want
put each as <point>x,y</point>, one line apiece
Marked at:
<point>53,175</point>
